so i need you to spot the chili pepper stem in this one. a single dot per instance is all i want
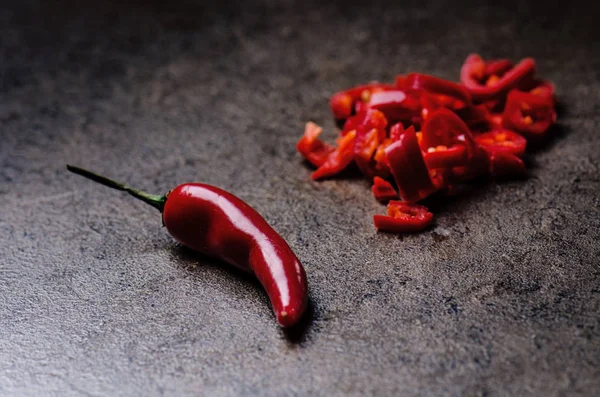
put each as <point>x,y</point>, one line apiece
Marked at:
<point>154,200</point>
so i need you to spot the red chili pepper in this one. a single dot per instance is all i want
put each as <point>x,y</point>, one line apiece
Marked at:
<point>383,190</point>
<point>497,67</point>
<point>544,89</point>
<point>311,148</point>
<point>444,128</point>
<point>403,218</point>
<point>339,159</point>
<point>418,82</point>
<point>408,167</point>
<point>365,146</point>
<point>220,225</point>
<point>365,121</point>
<point>529,114</point>
<point>484,87</point>
<point>342,103</point>
<point>395,105</point>
<point>446,157</point>
<point>502,140</point>
<point>506,165</point>
<point>474,115</point>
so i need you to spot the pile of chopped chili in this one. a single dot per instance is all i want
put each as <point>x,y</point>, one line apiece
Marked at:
<point>424,135</point>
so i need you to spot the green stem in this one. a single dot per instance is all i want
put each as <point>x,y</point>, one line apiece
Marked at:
<point>154,200</point>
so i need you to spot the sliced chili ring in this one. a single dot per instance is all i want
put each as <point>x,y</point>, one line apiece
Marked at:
<point>403,218</point>
<point>502,140</point>
<point>528,114</point>
<point>473,76</point>
<point>444,128</point>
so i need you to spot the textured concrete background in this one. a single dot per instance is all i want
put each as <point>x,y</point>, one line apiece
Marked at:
<point>501,297</point>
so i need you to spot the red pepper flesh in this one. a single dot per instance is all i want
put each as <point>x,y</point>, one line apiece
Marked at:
<point>423,82</point>
<point>529,114</point>
<point>403,218</point>
<point>408,167</point>
<point>311,148</point>
<point>473,72</point>
<point>383,190</point>
<point>502,140</point>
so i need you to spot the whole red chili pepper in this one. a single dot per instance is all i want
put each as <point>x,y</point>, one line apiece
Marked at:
<point>220,225</point>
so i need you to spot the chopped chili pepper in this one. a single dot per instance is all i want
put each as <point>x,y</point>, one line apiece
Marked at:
<point>444,128</point>
<point>417,82</point>
<point>473,76</point>
<point>403,218</point>
<point>383,190</point>
<point>220,225</point>
<point>506,165</point>
<point>502,140</point>
<point>342,103</point>
<point>395,105</point>
<point>339,159</point>
<point>365,121</point>
<point>529,114</point>
<point>408,168</point>
<point>312,148</point>
<point>478,127</point>
<point>446,157</point>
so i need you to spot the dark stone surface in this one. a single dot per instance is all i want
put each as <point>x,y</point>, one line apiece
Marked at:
<point>501,297</point>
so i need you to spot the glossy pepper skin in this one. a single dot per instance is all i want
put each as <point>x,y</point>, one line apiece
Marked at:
<point>218,224</point>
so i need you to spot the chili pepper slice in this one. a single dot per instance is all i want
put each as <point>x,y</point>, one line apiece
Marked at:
<point>220,225</point>
<point>366,121</point>
<point>383,190</point>
<point>342,103</point>
<point>502,140</point>
<point>506,165</point>
<point>446,157</point>
<point>444,128</point>
<point>529,114</point>
<point>403,218</point>
<point>544,89</point>
<point>395,105</point>
<point>473,77</point>
<point>339,159</point>
<point>365,146</point>
<point>497,67</point>
<point>418,82</point>
<point>311,148</point>
<point>408,168</point>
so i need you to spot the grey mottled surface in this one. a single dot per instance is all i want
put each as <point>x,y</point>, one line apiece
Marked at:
<point>501,297</point>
